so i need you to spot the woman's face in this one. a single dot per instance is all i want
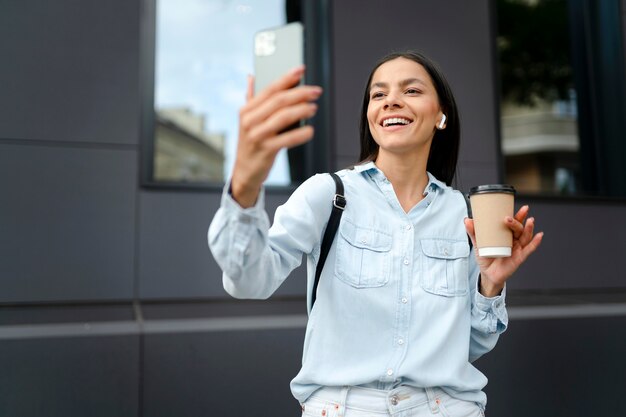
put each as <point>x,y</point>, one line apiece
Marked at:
<point>403,109</point>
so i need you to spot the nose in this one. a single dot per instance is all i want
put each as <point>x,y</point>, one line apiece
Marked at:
<point>392,101</point>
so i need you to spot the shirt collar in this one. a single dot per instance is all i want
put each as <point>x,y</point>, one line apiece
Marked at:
<point>433,183</point>
<point>366,167</point>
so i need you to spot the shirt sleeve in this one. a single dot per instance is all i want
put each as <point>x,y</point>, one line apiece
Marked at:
<point>256,258</point>
<point>489,316</point>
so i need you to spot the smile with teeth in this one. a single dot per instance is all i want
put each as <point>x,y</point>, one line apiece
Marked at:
<point>395,121</point>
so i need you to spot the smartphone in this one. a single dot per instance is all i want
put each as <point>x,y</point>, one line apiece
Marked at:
<point>276,51</point>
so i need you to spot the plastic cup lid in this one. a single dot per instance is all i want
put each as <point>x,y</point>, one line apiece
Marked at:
<point>492,188</point>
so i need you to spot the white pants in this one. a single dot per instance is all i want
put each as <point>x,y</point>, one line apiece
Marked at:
<point>399,402</point>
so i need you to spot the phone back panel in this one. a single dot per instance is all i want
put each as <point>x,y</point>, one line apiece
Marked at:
<point>277,51</point>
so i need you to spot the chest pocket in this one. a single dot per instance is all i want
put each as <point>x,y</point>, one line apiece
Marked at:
<point>445,267</point>
<point>363,255</point>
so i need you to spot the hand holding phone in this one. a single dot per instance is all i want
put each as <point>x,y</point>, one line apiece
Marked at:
<point>269,121</point>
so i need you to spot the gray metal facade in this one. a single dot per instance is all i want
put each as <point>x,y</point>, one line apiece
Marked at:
<point>110,301</point>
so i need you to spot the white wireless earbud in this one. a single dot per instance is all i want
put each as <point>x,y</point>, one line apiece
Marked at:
<point>442,122</point>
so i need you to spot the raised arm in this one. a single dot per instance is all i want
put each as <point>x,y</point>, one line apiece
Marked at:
<point>254,258</point>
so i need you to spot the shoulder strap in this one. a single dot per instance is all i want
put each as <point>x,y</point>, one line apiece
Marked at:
<point>339,203</point>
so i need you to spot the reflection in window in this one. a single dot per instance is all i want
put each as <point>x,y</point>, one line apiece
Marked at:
<point>540,139</point>
<point>203,57</point>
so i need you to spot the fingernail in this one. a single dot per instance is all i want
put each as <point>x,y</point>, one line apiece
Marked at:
<point>509,219</point>
<point>297,70</point>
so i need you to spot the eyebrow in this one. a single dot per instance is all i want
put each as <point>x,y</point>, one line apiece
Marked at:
<point>402,83</point>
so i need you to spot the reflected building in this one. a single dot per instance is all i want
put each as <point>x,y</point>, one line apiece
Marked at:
<point>184,151</point>
<point>541,145</point>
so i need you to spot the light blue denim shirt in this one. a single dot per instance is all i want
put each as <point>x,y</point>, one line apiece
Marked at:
<point>397,301</point>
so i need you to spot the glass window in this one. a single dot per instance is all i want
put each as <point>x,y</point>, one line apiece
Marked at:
<point>204,52</point>
<point>539,119</point>
<point>562,84</point>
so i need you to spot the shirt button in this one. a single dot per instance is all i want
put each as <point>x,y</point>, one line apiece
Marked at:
<point>406,261</point>
<point>400,341</point>
<point>404,300</point>
<point>408,227</point>
<point>394,400</point>
<point>389,372</point>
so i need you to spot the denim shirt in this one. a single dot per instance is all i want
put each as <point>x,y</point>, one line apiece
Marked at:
<point>397,301</point>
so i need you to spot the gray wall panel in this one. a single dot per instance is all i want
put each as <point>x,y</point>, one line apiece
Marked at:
<point>531,360</point>
<point>175,260</point>
<point>96,377</point>
<point>70,70</point>
<point>456,34</point>
<point>470,174</point>
<point>346,161</point>
<point>68,223</point>
<point>222,373</point>
<point>583,245</point>
<point>545,368</point>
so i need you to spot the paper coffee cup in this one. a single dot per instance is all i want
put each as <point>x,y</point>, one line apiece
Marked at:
<point>490,205</point>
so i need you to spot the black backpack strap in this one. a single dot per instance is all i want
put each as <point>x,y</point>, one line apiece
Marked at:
<point>339,203</point>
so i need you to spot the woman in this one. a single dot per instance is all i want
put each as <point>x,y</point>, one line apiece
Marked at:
<point>403,305</point>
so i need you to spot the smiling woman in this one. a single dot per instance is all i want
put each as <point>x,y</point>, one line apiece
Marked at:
<point>403,114</point>
<point>403,109</point>
<point>404,304</point>
<point>420,86</point>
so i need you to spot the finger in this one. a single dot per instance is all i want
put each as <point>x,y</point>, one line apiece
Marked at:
<point>532,246</point>
<point>516,227</point>
<point>250,90</point>
<point>527,234</point>
<point>521,214</point>
<point>294,137</point>
<point>285,82</point>
<point>253,116</point>
<point>469,228</point>
<point>281,120</point>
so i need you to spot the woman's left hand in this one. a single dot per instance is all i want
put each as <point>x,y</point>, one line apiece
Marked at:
<point>495,271</point>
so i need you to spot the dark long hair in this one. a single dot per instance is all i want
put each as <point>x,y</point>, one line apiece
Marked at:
<point>444,150</point>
